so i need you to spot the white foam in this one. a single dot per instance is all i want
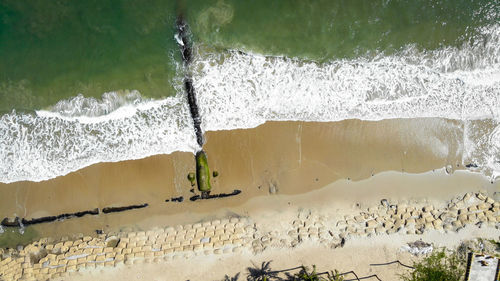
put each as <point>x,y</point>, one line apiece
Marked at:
<point>247,90</point>
<point>90,110</point>
<point>236,90</point>
<point>92,107</point>
<point>482,145</point>
<point>43,146</point>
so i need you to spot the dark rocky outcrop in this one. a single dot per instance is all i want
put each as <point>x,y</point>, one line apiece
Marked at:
<point>176,199</point>
<point>108,210</point>
<point>17,222</point>
<point>214,196</point>
<point>203,173</point>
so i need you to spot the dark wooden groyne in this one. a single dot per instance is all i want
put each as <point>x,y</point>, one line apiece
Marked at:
<point>214,196</point>
<point>108,210</point>
<point>183,35</point>
<point>193,109</point>
<point>20,222</point>
<point>185,46</point>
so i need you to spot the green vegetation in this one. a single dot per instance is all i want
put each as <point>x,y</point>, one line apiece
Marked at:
<point>192,178</point>
<point>11,237</point>
<point>496,243</point>
<point>305,275</point>
<point>439,266</point>
<point>215,174</point>
<point>202,173</point>
<point>265,273</point>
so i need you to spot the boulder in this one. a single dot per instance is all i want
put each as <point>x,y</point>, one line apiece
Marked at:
<point>457,223</point>
<point>388,225</point>
<point>405,215</point>
<point>359,219</point>
<point>481,196</point>
<point>371,223</point>
<point>472,208</point>
<point>384,203</point>
<point>398,223</point>
<point>448,227</point>
<point>438,224</point>
<point>202,172</point>
<point>467,197</point>
<point>484,206</point>
<point>428,208</point>
<point>481,217</point>
<point>112,241</point>
<point>391,231</point>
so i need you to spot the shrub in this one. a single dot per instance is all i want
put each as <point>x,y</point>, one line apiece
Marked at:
<point>305,275</point>
<point>437,267</point>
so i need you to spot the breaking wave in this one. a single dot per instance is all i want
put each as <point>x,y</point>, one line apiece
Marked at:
<point>240,90</point>
<point>243,90</point>
<point>92,107</point>
<point>43,146</point>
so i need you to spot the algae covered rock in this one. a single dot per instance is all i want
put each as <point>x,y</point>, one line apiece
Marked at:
<point>202,172</point>
<point>112,241</point>
<point>192,178</point>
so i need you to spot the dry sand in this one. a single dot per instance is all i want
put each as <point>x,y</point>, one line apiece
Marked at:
<point>275,213</point>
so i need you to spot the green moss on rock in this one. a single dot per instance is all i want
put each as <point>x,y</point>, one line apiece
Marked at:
<point>202,172</point>
<point>192,178</point>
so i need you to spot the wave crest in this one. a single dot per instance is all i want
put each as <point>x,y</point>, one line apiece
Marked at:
<point>40,147</point>
<point>237,90</point>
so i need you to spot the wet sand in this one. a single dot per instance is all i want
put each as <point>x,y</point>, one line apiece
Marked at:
<point>286,157</point>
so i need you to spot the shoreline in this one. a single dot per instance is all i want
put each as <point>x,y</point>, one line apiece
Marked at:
<point>328,177</point>
<point>277,157</point>
<point>263,229</point>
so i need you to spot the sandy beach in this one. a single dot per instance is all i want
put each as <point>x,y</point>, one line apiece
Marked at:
<point>330,227</point>
<point>307,188</point>
<point>292,157</point>
<point>223,140</point>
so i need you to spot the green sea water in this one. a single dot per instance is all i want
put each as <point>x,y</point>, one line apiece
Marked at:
<point>52,50</point>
